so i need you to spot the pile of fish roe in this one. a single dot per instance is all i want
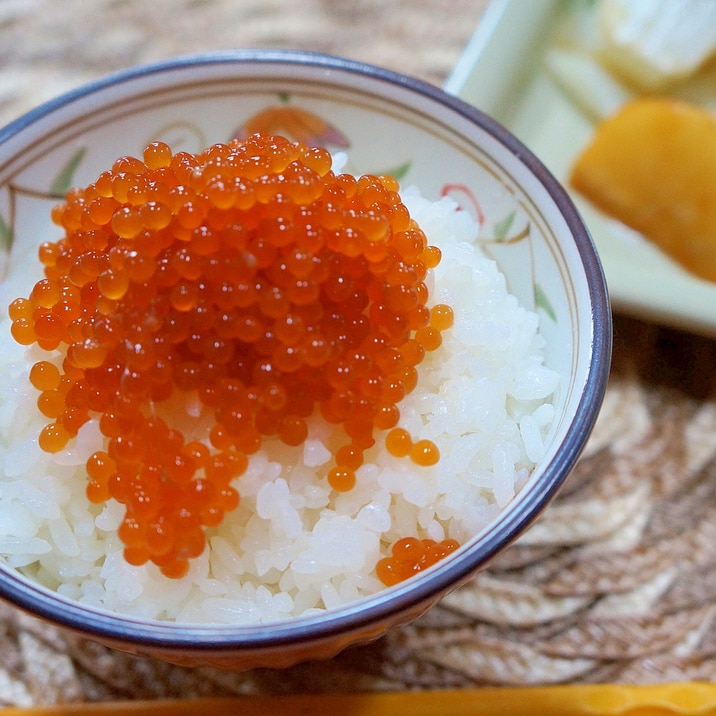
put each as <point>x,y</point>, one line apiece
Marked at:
<point>256,387</point>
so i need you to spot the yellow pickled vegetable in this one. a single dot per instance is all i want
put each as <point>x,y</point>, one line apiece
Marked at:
<point>652,165</point>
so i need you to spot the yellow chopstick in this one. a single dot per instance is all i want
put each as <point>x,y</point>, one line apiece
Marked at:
<point>595,700</point>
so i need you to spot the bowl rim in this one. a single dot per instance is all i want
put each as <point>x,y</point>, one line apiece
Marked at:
<point>414,594</point>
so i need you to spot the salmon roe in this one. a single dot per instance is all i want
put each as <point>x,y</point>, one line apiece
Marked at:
<point>249,275</point>
<point>411,555</point>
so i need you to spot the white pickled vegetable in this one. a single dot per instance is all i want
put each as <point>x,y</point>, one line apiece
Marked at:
<point>655,42</point>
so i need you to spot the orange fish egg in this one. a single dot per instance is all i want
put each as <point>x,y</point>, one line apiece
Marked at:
<point>251,275</point>
<point>411,555</point>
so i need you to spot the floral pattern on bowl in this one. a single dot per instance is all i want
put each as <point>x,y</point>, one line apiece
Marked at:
<point>298,124</point>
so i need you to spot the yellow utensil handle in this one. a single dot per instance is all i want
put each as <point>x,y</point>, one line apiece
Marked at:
<point>592,700</point>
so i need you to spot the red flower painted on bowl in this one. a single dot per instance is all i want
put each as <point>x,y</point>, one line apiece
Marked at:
<point>294,123</point>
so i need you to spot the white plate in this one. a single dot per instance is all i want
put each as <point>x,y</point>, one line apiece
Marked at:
<point>503,72</point>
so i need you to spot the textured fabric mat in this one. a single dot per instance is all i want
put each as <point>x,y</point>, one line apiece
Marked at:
<point>614,583</point>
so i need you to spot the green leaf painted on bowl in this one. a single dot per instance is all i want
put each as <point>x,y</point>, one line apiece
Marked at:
<point>541,301</point>
<point>63,181</point>
<point>501,235</point>
<point>398,172</point>
<point>6,235</point>
<point>284,97</point>
<point>503,227</point>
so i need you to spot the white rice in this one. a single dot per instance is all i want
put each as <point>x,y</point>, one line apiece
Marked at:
<point>293,546</point>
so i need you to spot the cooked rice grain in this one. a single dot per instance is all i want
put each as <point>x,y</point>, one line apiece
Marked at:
<point>294,546</point>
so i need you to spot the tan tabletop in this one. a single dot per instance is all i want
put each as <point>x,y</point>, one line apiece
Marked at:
<point>616,581</point>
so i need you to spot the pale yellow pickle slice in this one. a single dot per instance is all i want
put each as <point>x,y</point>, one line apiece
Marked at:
<point>652,166</point>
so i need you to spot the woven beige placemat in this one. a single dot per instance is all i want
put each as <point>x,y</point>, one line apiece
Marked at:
<point>47,47</point>
<point>616,580</point>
